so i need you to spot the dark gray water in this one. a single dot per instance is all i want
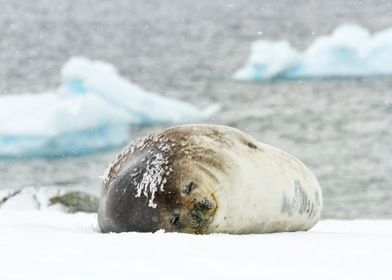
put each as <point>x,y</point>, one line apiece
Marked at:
<point>189,49</point>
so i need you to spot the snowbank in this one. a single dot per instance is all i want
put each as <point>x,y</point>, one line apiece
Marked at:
<point>90,111</point>
<point>52,245</point>
<point>349,51</point>
<point>48,198</point>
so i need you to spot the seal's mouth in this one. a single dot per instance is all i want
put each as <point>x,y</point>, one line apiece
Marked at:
<point>194,219</point>
<point>202,214</point>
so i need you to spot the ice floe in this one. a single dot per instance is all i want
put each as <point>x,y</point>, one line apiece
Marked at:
<point>350,51</point>
<point>90,111</point>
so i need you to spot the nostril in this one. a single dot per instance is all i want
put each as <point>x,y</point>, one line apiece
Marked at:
<point>174,219</point>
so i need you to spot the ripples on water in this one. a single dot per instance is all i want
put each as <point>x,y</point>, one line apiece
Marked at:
<point>188,49</point>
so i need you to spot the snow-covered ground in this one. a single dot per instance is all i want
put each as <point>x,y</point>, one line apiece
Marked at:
<point>54,245</point>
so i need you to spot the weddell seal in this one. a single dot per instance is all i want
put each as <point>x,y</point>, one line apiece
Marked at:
<point>207,179</point>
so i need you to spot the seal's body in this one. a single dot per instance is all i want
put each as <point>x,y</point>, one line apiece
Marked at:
<point>207,179</point>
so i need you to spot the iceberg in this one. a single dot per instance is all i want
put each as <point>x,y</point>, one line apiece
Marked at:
<point>350,51</point>
<point>90,111</point>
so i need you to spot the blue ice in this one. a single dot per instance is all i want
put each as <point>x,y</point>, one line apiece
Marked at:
<point>90,111</point>
<point>350,51</point>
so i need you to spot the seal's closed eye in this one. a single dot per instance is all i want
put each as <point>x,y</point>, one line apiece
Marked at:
<point>189,187</point>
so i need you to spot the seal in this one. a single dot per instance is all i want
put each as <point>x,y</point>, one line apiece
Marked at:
<point>207,179</point>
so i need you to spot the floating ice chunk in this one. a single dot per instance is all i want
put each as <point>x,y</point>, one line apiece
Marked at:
<point>344,53</point>
<point>267,60</point>
<point>90,111</point>
<point>349,51</point>
<point>143,107</point>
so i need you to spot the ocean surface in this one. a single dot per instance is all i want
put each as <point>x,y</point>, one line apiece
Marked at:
<point>189,50</point>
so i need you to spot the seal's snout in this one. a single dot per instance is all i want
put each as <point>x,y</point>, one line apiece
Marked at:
<point>194,221</point>
<point>202,214</point>
<point>193,214</point>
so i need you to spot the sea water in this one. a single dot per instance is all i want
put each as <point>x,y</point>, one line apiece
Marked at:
<point>340,128</point>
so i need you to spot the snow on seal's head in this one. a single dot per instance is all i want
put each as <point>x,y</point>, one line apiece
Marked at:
<point>204,179</point>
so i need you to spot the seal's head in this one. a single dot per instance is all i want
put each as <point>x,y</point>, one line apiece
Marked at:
<point>167,180</point>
